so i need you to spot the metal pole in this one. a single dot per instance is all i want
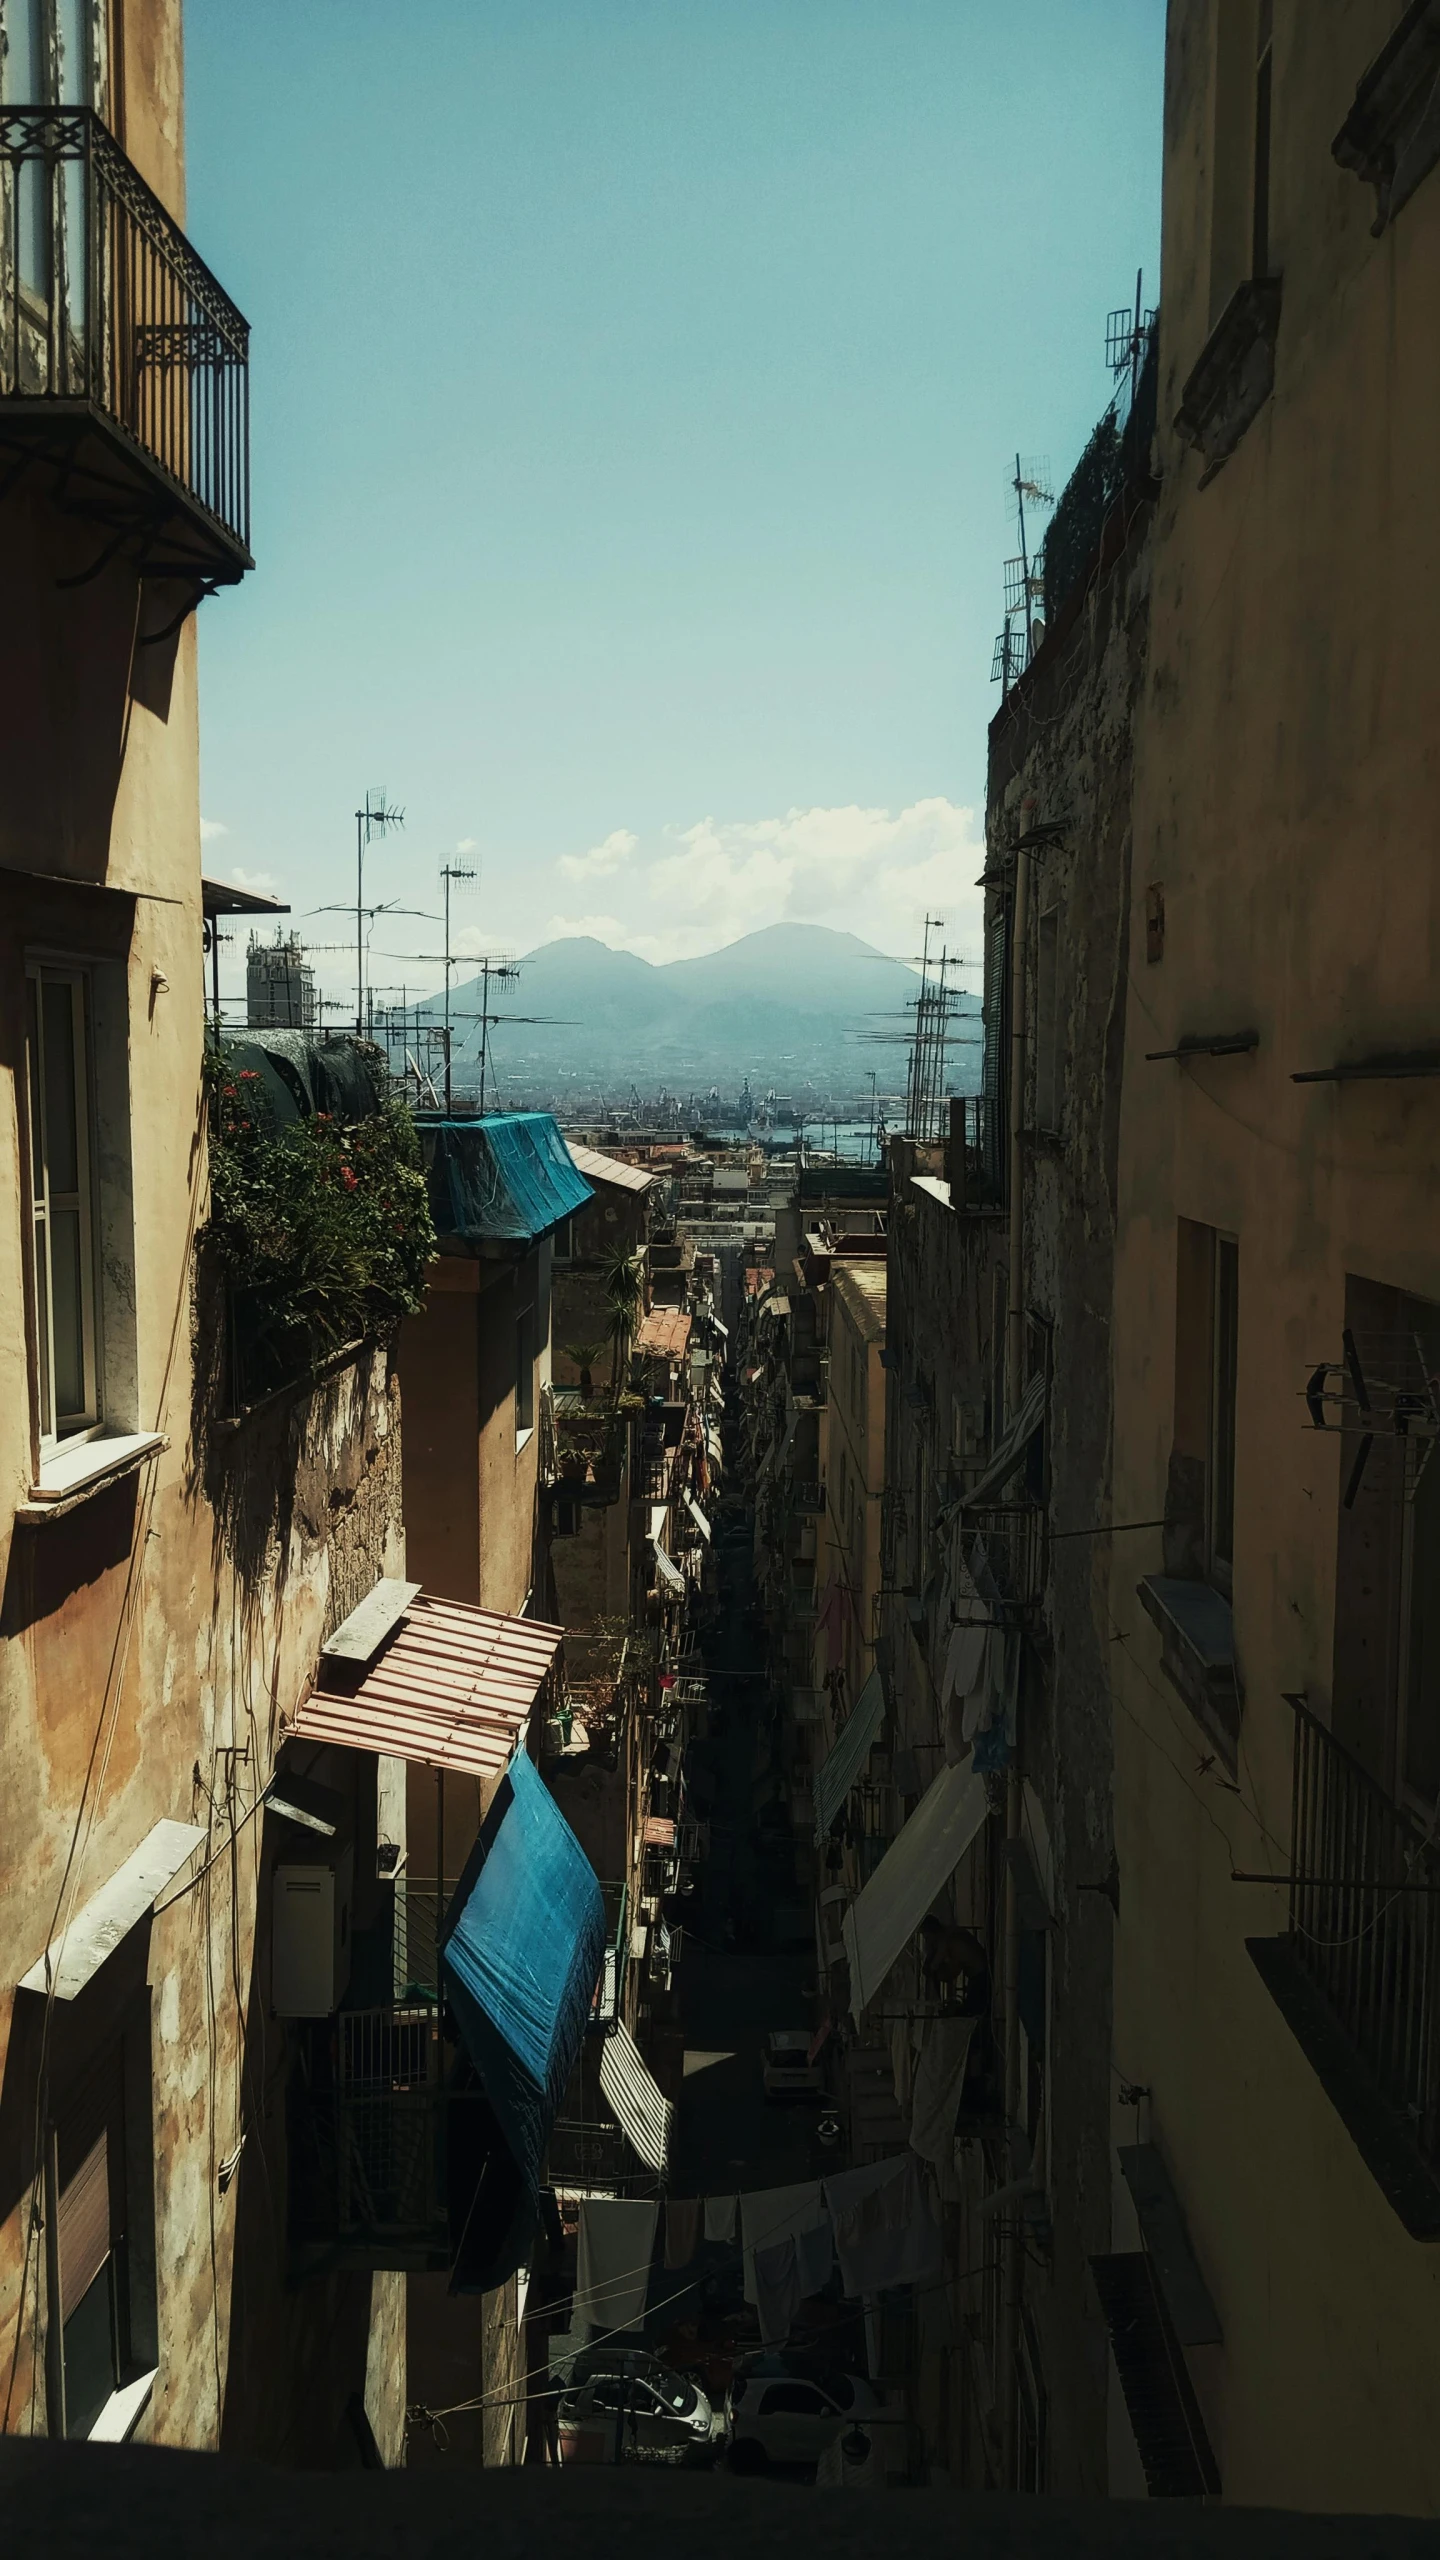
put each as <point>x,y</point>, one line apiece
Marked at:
<point>360,917</point>
<point>439,1868</point>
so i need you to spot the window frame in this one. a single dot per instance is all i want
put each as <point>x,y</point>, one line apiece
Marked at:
<point>1223,1403</point>
<point>44,969</point>
<point>527,1353</point>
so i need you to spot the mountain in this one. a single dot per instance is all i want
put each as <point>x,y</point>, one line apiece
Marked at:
<point>788,1007</point>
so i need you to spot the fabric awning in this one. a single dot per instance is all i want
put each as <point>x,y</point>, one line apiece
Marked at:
<point>915,1868</point>
<point>630,2089</point>
<point>520,1955</point>
<point>697,1515</point>
<point>1024,1422</point>
<point>667,1569</point>
<point>450,1687</point>
<point>847,1755</point>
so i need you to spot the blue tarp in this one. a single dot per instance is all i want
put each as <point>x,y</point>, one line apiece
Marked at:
<point>521,1953</point>
<point>509,1178</point>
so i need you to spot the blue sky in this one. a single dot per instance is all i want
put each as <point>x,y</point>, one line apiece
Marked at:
<point>634,386</point>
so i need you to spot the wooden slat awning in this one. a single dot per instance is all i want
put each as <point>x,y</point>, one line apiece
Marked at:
<point>451,1687</point>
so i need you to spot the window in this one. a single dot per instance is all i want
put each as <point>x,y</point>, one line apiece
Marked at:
<point>564,1240</point>
<point>793,2400</point>
<point>1240,155</point>
<point>62,1158</point>
<point>1200,1509</point>
<point>1386,1685</point>
<point>1260,188</point>
<point>524,1375</point>
<point>1225,1295</point>
<point>1047,1022</point>
<point>51,53</point>
<point>99,2256</point>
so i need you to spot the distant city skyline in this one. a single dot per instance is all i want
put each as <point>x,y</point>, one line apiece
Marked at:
<point>631,438</point>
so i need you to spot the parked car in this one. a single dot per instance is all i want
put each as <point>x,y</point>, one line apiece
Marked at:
<point>670,2416</point>
<point>638,2363</point>
<point>788,2071</point>
<point>791,2416</point>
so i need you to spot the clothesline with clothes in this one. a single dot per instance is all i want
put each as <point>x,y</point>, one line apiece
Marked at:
<point>875,2222</point>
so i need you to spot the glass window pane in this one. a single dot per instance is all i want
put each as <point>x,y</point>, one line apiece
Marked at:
<point>24,53</point>
<point>62,1131</point>
<point>91,2372</point>
<point>67,1313</point>
<point>42,1325</point>
<point>32,1072</point>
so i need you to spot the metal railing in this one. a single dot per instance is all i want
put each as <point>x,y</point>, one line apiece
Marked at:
<point>1365,1921</point>
<point>103,303</point>
<point>1116,458</point>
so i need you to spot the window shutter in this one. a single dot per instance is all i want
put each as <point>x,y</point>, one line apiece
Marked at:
<point>84,2225</point>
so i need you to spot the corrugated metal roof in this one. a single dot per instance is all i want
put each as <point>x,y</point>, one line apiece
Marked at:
<point>666,1332</point>
<point>601,1168</point>
<point>509,1177</point>
<point>452,1688</point>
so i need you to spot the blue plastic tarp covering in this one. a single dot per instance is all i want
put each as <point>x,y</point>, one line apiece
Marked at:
<point>509,1178</point>
<point>521,1952</point>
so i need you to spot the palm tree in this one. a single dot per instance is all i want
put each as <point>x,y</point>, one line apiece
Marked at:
<point>624,1282</point>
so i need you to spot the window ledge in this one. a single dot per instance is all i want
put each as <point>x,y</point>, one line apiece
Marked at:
<point>1197,1632</point>
<point>1384,2138</point>
<point>1235,374</point>
<point>124,2409</point>
<point>74,1473</point>
<point>1391,137</point>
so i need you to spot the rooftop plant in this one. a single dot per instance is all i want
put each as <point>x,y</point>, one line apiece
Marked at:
<point>321,1227</point>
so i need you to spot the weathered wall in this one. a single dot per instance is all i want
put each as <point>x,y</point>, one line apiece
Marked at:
<point>1061,750</point>
<point>1285,799</point>
<point>154,1632</point>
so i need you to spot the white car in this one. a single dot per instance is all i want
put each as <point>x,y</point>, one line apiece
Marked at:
<point>788,2070</point>
<point>794,2417</point>
<point>665,2416</point>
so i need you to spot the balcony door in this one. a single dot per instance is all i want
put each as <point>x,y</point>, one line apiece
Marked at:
<point>52,53</point>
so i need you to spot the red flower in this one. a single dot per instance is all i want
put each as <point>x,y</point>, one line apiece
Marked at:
<point>348,1178</point>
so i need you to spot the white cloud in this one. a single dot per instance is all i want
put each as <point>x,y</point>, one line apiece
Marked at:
<point>210,827</point>
<point>602,860</point>
<point>466,844</point>
<point>261,884</point>
<point>870,872</point>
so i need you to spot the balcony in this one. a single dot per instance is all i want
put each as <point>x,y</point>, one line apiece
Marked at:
<point>1357,1975</point>
<point>124,366</point>
<point>388,2136</point>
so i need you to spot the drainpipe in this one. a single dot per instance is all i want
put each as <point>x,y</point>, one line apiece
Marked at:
<point>1010,2255</point>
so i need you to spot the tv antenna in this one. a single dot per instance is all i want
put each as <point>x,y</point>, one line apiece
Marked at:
<point>377,816</point>
<point>450,871</point>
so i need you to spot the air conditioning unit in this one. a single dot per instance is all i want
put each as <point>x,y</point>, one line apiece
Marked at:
<point>310,1937</point>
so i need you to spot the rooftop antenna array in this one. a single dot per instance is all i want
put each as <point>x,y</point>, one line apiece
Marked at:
<point>1028,489</point>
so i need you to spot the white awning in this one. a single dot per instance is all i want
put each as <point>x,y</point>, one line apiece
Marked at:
<point>659,1512</point>
<point>847,1755</point>
<point>1024,1422</point>
<point>631,2090</point>
<point>915,1868</point>
<point>667,1569</point>
<point>96,1929</point>
<point>697,1515</point>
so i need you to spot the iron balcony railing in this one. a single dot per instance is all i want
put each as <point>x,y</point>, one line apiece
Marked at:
<point>109,321</point>
<point>1365,1921</point>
